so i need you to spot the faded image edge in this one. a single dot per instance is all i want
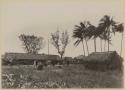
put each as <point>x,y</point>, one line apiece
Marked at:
<point>54,45</point>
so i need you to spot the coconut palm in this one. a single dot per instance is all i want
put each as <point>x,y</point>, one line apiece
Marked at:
<point>104,37</point>
<point>78,33</point>
<point>85,30</point>
<point>100,32</point>
<point>119,28</point>
<point>91,32</point>
<point>101,44</point>
<point>107,23</point>
<point>97,32</point>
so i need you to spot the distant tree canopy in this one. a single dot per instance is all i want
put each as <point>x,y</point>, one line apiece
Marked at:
<point>60,41</point>
<point>31,44</point>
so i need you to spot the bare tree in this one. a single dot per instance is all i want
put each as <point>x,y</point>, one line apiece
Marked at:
<point>31,44</point>
<point>60,43</point>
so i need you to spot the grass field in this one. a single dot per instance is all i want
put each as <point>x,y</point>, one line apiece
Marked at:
<point>72,76</point>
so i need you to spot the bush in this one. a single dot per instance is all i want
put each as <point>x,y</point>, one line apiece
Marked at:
<point>54,62</point>
<point>103,61</point>
<point>39,67</point>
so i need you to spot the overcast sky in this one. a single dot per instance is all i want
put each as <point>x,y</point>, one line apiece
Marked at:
<point>41,17</point>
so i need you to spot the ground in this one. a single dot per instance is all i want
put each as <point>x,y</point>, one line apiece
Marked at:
<point>72,76</point>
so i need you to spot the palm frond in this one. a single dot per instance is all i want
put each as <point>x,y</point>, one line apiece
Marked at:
<point>77,26</point>
<point>77,42</point>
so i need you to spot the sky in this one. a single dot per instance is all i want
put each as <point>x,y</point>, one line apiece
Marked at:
<point>42,17</point>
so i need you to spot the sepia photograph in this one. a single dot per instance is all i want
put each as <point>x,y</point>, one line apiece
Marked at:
<point>62,44</point>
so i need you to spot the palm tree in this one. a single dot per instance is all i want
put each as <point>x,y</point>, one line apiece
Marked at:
<point>120,28</point>
<point>98,32</point>
<point>78,33</point>
<point>101,44</point>
<point>92,33</point>
<point>107,23</point>
<point>104,37</point>
<point>85,30</point>
<point>101,35</point>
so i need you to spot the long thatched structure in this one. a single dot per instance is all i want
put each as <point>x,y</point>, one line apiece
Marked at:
<point>103,60</point>
<point>25,58</point>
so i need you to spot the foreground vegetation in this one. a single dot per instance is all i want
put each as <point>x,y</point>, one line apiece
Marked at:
<point>72,76</point>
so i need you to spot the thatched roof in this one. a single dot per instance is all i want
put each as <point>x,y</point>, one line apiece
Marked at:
<point>80,57</point>
<point>67,58</point>
<point>19,56</point>
<point>102,56</point>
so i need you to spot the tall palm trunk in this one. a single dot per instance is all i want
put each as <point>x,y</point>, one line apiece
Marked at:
<point>95,44</point>
<point>104,45</point>
<point>83,47</point>
<point>87,46</point>
<point>101,44</point>
<point>108,45</point>
<point>108,40</point>
<point>121,44</point>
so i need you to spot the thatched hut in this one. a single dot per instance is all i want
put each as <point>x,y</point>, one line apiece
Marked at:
<point>103,61</point>
<point>67,60</point>
<point>80,57</point>
<point>28,59</point>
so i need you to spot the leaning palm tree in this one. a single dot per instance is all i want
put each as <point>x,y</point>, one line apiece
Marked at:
<point>78,33</point>
<point>85,30</point>
<point>107,23</point>
<point>120,28</point>
<point>92,33</point>
<point>101,34</point>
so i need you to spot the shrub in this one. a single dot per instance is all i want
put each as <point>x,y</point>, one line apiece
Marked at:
<point>54,62</point>
<point>103,61</point>
<point>39,67</point>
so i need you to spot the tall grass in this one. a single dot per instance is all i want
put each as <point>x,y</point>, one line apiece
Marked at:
<point>72,76</point>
